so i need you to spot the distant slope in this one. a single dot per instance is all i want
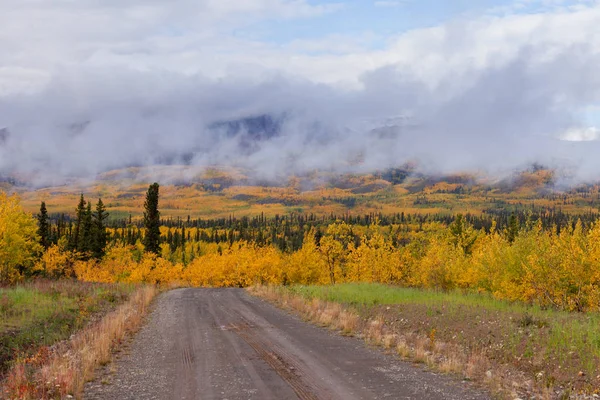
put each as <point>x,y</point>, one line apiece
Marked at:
<point>222,192</point>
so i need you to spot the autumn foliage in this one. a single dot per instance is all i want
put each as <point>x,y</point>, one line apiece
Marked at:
<point>539,267</point>
<point>531,264</point>
<point>19,245</point>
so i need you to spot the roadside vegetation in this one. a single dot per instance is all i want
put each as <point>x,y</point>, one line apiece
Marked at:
<point>518,351</point>
<point>54,334</point>
<point>44,312</point>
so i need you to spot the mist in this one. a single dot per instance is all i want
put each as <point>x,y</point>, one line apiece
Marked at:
<point>492,112</point>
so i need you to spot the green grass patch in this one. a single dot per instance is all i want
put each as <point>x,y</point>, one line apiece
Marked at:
<point>42,313</point>
<point>375,294</point>
<point>561,342</point>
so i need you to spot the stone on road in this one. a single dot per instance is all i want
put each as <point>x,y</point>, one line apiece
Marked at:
<point>224,344</point>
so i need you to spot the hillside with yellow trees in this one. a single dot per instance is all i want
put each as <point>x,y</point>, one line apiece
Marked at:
<point>223,192</point>
<point>543,257</point>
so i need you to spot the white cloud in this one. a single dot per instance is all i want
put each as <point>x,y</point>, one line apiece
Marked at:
<point>492,91</point>
<point>588,134</point>
<point>195,36</point>
<point>192,37</point>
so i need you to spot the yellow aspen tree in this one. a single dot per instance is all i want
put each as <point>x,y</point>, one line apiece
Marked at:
<point>56,263</point>
<point>306,266</point>
<point>19,245</point>
<point>334,248</point>
<point>593,260</point>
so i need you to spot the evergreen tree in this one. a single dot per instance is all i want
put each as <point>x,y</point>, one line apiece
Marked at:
<point>176,242</point>
<point>43,226</point>
<point>100,236</point>
<point>192,254</point>
<point>85,234</point>
<point>318,237</point>
<point>183,261</point>
<point>170,240</point>
<point>152,220</point>
<point>76,230</point>
<point>60,227</point>
<point>512,231</point>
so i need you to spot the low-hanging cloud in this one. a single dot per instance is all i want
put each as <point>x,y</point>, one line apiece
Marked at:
<point>488,95</point>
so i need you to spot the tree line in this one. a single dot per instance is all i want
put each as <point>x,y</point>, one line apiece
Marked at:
<point>87,233</point>
<point>521,260</point>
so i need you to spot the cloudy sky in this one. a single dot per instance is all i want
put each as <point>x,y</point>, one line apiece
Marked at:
<point>90,85</point>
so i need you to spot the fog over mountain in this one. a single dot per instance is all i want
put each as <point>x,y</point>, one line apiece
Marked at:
<point>488,92</point>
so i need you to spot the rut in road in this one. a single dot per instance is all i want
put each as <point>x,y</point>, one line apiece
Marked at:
<point>276,361</point>
<point>224,344</point>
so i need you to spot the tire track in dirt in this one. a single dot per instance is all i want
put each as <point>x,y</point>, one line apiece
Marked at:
<point>277,362</point>
<point>224,344</point>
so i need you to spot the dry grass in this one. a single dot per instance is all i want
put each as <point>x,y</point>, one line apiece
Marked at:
<point>334,315</point>
<point>451,365</point>
<point>64,372</point>
<point>403,349</point>
<point>375,330</point>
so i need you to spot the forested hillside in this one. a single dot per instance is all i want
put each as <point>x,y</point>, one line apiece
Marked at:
<point>532,250</point>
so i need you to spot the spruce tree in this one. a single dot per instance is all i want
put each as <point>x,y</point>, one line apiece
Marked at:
<point>183,261</point>
<point>85,234</point>
<point>43,226</point>
<point>76,229</point>
<point>100,236</point>
<point>152,220</point>
<point>176,241</point>
<point>60,227</point>
<point>512,231</point>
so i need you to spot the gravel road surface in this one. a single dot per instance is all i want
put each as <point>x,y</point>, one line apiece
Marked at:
<point>225,344</point>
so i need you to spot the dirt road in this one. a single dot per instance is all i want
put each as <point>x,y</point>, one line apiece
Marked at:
<point>225,344</point>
